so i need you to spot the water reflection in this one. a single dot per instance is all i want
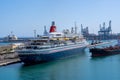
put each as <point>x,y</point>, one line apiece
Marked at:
<point>106,67</point>
<point>55,70</point>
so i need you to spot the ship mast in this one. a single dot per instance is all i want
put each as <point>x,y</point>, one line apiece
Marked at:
<point>45,31</point>
<point>75,28</point>
<point>34,33</point>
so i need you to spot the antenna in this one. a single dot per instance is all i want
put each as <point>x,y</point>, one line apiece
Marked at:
<point>34,33</point>
<point>11,33</point>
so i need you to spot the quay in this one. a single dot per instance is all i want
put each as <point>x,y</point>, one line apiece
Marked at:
<point>9,61</point>
<point>7,55</point>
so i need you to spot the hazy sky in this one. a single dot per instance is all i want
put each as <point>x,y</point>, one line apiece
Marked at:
<point>24,16</point>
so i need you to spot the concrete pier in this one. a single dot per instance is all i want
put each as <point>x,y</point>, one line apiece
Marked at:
<point>7,55</point>
<point>9,61</point>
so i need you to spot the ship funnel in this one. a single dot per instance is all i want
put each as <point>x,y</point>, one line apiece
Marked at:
<point>53,27</point>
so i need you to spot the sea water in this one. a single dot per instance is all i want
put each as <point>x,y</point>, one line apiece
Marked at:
<point>78,67</point>
<point>5,43</point>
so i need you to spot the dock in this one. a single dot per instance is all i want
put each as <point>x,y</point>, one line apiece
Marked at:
<point>9,61</point>
<point>7,55</point>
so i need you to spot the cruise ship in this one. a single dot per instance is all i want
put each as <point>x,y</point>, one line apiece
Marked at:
<point>52,46</point>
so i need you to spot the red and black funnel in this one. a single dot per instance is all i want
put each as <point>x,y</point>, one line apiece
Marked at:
<point>53,27</point>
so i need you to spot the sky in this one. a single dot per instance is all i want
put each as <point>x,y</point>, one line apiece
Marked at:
<point>22,17</point>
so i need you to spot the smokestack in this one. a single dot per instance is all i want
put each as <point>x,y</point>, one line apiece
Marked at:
<point>53,27</point>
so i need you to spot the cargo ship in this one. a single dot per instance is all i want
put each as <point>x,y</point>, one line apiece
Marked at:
<point>11,38</point>
<point>52,46</point>
<point>106,51</point>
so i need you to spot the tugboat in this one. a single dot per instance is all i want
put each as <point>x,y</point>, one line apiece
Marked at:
<point>53,46</point>
<point>111,50</point>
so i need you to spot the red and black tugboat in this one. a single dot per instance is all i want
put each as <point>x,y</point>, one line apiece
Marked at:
<point>111,50</point>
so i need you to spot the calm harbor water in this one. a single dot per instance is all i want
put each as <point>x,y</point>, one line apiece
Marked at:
<point>79,67</point>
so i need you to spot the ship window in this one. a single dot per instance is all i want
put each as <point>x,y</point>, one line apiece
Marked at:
<point>58,34</point>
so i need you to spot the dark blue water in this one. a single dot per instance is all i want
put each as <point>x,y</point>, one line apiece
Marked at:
<point>79,67</point>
